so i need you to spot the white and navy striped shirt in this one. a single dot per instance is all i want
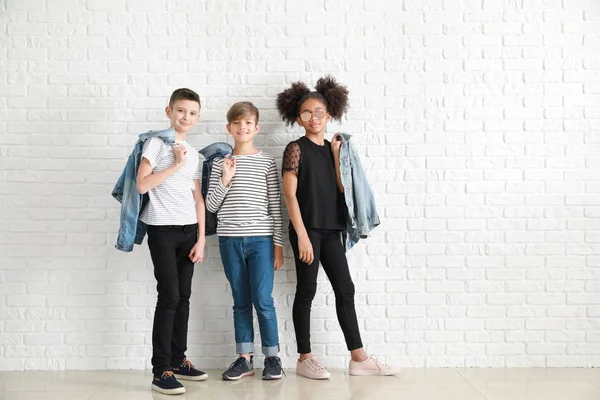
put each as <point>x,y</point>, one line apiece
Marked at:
<point>251,204</point>
<point>171,202</point>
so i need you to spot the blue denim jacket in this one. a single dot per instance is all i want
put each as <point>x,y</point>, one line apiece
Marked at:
<point>131,229</point>
<point>210,153</point>
<point>362,212</point>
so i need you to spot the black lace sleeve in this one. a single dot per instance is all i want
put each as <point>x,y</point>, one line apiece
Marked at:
<point>292,157</point>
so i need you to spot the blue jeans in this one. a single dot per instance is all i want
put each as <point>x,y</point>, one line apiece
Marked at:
<point>249,267</point>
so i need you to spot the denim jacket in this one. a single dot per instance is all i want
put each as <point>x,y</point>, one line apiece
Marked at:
<point>210,153</point>
<point>131,229</point>
<point>362,212</point>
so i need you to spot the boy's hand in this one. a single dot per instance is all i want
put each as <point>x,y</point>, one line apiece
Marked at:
<point>180,151</point>
<point>197,252</point>
<point>278,250</point>
<point>228,170</point>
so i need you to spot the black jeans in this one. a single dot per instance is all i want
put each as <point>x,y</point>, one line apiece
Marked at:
<point>328,249</point>
<point>169,248</point>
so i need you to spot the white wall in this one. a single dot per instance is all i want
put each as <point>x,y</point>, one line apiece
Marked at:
<point>477,120</point>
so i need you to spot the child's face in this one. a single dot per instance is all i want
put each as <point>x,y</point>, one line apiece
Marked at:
<point>243,129</point>
<point>313,116</point>
<point>184,115</point>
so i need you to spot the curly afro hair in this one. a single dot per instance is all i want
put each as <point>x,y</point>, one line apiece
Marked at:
<point>288,101</point>
<point>327,90</point>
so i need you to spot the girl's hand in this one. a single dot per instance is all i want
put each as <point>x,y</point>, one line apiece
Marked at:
<point>278,250</point>
<point>197,252</point>
<point>336,144</point>
<point>228,170</point>
<point>305,249</point>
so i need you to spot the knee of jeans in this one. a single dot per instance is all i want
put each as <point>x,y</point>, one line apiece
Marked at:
<point>168,300</point>
<point>185,296</point>
<point>264,304</point>
<point>306,292</point>
<point>184,300</point>
<point>242,307</point>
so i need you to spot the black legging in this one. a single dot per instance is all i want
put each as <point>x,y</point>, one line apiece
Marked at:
<point>328,249</point>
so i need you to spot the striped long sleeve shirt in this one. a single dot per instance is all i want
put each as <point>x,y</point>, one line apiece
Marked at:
<point>251,204</point>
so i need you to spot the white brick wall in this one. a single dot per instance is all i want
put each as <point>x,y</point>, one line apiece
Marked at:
<point>477,120</point>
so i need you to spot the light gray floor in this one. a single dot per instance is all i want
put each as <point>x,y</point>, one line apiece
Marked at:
<point>422,384</point>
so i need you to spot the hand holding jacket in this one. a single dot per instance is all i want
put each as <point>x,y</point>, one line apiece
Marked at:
<point>228,170</point>
<point>179,151</point>
<point>336,146</point>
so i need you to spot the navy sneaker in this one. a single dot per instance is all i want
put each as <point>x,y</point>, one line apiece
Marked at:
<point>273,369</point>
<point>187,372</point>
<point>239,369</point>
<point>167,384</point>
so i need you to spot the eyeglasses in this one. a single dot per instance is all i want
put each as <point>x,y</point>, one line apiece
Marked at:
<point>307,115</point>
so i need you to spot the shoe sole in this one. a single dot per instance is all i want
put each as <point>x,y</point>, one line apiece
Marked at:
<point>191,378</point>
<point>180,390</point>
<point>272,377</point>
<point>373,373</point>
<point>237,378</point>
<point>314,377</point>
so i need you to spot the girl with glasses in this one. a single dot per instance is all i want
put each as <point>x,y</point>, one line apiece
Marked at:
<point>314,198</point>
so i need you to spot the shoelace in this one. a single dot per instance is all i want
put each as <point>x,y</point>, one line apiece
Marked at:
<point>237,364</point>
<point>314,365</point>
<point>270,362</point>
<point>273,362</point>
<point>187,364</point>
<point>167,374</point>
<point>377,362</point>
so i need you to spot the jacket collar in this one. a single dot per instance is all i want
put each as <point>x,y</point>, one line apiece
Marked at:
<point>345,137</point>
<point>216,149</point>
<point>167,134</point>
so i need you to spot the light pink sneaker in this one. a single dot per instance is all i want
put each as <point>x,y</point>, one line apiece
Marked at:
<point>312,369</point>
<point>371,366</point>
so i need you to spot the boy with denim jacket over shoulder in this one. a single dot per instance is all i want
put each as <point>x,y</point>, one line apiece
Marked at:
<point>244,193</point>
<point>131,229</point>
<point>174,217</point>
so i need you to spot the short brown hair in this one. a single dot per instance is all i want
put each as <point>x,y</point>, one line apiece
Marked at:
<point>241,109</point>
<point>184,94</point>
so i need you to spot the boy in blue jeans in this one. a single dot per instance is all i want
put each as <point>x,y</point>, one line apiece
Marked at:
<point>244,193</point>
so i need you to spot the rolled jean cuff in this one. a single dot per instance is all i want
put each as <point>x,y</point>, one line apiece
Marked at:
<point>270,351</point>
<point>244,348</point>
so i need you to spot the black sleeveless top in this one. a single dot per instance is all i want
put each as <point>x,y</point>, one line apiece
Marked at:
<point>321,204</point>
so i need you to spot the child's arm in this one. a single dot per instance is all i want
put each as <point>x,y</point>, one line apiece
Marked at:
<point>197,252</point>
<point>292,157</point>
<point>274,199</point>
<point>217,189</point>
<point>336,145</point>
<point>290,183</point>
<point>146,179</point>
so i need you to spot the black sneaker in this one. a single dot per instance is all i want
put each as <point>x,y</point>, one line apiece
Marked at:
<point>187,372</point>
<point>167,384</point>
<point>272,369</point>
<point>239,369</point>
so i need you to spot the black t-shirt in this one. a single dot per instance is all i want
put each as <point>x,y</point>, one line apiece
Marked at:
<point>321,204</point>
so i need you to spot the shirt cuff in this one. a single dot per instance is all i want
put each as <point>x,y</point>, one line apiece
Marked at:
<point>278,239</point>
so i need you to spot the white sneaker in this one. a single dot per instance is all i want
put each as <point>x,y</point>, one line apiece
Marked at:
<point>371,366</point>
<point>312,369</point>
